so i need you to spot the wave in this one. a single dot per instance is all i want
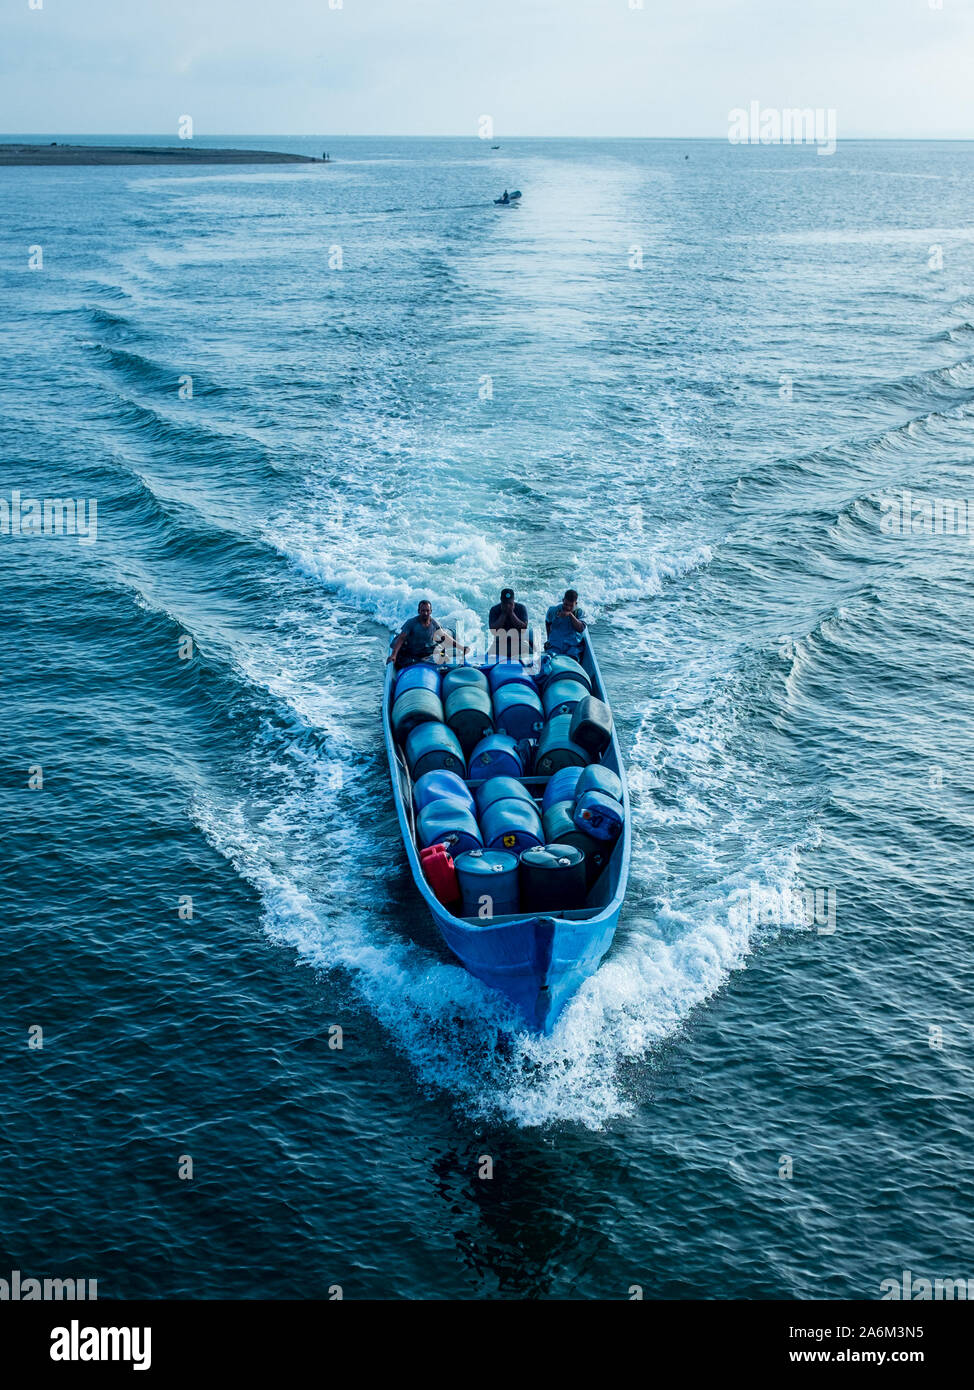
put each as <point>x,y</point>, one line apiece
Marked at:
<point>143,371</point>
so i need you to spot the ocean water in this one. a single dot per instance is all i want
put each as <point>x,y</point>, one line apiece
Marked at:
<point>685,377</point>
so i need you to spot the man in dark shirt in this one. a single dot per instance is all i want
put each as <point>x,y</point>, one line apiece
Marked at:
<point>418,637</point>
<point>507,621</point>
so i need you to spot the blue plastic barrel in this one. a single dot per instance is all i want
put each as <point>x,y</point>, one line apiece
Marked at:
<point>488,882</point>
<point>433,785</point>
<point>556,667</point>
<point>433,746</point>
<point>495,756</point>
<point>422,676</point>
<point>511,824</point>
<point>599,779</point>
<point>552,878</point>
<point>559,828</point>
<point>561,697</point>
<point>413,707</point>
<point>503,672</point>
<point>458,676</point>
<point>556,750</point>
<point>499,789</point>
<point>518,710</point>
<point>468,713</point>
<point>561,787</point>
<point>448,822</point>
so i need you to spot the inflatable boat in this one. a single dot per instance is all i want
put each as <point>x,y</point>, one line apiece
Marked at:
<point>524,793</point>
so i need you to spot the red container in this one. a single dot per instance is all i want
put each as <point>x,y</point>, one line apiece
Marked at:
<point>440,874</point>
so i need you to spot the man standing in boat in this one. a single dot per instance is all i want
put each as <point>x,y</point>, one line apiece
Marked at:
<point>507,621</point>
<point>565,625</point>
<point>419,637</point>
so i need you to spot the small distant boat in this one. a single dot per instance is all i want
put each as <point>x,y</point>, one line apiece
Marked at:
<point>537,959</point>
<point>495,147</point>
<point>508,199</point>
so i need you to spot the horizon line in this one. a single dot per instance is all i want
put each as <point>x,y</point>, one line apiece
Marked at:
<point>318,135</point>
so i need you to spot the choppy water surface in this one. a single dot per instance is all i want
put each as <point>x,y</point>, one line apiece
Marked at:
<point>683,378</point>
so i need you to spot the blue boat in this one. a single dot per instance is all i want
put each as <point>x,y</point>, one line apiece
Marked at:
<point>538,961</point>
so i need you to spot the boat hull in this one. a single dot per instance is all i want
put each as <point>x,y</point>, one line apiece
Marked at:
<point>538,962</point>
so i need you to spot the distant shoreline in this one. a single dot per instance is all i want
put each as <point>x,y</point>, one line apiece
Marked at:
<point>143,154</point>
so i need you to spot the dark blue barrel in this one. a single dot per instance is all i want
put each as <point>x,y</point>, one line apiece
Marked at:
<point>556,750</point>
<point>433,746</point>
<point>500,789</point>
<point>512,823</point>
<point>415,707</point>
<point>592,725</point>
<point>495,756</point>
<point>561,787</point>
<point>518,710</point>
<point>599,815</point>
<point>457,676</point>
<point>555,667</point>
<point>488,882</point>
<point>502,672</point>
<point>552,878</point>
<point>599,779</point>
<point>561,697</point>
<point>559,828</point>
<point>422,676</point>
<point>448,822</point>
<point>439,783</point>
<point>468,714</point>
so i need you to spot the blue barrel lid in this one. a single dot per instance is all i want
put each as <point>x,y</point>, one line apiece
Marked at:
<point>552,856</point>
<point>485,862</point>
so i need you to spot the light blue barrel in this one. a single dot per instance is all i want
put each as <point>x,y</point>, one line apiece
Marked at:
<point>556,667</point>
<point>511,824</point>
<point>561,697</point>
<point>556,750</point>
<point>499,788</point>
<point>518,710</point>
<point>422,676</point>
<point>432,747</point>
<point>448,822</point>
<point>433,785</point>
<point>561,787</point>
<point>488,882</point>
<point>414,707</point>
<point>458,676</point>
<point>503,672</point>
<point>597,778</point>
<point>495,756</point>
<point>599,815</point>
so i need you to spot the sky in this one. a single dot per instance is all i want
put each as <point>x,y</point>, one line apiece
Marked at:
<point>889,68</point>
